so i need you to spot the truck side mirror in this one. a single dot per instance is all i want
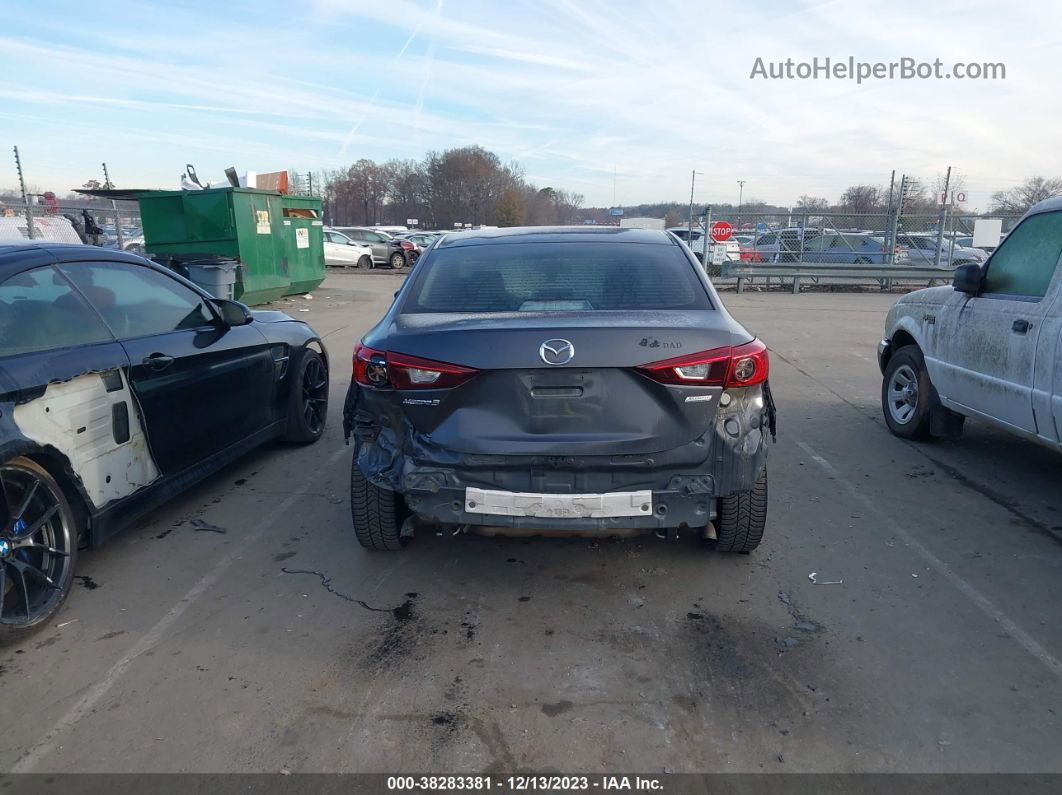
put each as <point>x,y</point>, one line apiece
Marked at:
<point>968,279</point>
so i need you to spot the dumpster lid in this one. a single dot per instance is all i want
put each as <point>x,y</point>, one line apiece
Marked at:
<point>114,193</point>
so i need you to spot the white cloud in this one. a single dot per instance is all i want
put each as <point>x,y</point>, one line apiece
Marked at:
<point>573,89</point>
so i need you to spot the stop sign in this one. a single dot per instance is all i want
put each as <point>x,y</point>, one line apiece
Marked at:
<point>721,231</point>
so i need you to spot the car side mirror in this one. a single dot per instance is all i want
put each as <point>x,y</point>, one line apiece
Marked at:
<point>233,313</point>
<point>968,278</point>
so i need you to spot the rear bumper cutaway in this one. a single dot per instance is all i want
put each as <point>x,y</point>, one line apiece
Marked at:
<point>685,481</point>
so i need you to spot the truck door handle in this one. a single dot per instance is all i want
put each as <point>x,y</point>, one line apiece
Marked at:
<point>1021,326</point>
<point>158,362</point>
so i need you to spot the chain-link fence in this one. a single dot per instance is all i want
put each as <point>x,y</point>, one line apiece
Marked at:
<point>884,238</point>
<point>113,225</point>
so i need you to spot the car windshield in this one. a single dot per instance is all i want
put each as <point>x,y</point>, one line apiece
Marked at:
<point>557,277</point>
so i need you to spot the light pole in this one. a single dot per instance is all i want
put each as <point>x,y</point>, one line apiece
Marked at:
<point>689,229</point>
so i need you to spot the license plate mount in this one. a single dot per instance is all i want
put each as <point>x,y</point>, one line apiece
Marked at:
<point>619,504</point>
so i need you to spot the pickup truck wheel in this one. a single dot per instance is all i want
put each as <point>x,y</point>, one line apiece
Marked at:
<point>741,518</point>
<point>905,394</point>
<point>376,514</point>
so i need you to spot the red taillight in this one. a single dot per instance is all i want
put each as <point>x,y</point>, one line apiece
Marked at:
<point>748,365</point>
<point>412,372</point>
<point>379,370</point>
<point>707,368</point>
<point>745,365</point>
<point>370,367</point>
<point>406,245</point>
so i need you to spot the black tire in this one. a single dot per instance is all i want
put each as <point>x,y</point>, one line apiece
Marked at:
<point>308,399</point>
<point>397,260</point>
<point>377,514</point>
<point>364,263</point>
<point>909,420</point>
<point>59,534</point>
<point>741,518</point>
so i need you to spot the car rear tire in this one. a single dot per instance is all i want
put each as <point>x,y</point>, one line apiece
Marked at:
<point>905,394</point>
<point>398,260</point>
<point>38,548</point>
<point>741,518</point>
<point>376,513</point>
<point>365,263</point>
<point>308,400</point>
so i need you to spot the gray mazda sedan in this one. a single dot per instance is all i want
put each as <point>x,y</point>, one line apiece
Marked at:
<point>559,381</point>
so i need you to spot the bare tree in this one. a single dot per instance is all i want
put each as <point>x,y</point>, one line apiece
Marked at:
<point>568,204</point>
<point>1021,198</point>
<point>812,204</point>
<point>862,199</point>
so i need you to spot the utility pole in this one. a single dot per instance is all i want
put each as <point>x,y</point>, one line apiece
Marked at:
<point>108,185</point>
<point>741,190</point>
<point>25,198</point>
<point>942,219</point>
<point>693,181</point>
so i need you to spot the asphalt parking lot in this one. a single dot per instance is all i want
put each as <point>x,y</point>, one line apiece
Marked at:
<point>241,627</point>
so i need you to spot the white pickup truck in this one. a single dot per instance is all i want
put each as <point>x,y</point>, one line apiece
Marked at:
<point>988,347</point>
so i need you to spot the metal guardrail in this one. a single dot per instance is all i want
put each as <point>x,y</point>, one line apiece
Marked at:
<point>885,275</point>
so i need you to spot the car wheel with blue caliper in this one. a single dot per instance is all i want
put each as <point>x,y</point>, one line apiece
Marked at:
<point>38,547</point>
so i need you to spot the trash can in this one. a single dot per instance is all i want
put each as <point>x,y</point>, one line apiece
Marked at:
<point>217,277</point>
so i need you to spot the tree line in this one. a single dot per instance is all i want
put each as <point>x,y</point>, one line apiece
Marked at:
<point>467,185</point>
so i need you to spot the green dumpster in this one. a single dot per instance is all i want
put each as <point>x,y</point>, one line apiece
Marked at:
<point>275,238</point>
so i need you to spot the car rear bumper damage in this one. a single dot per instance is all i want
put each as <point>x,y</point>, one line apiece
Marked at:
<point>682,484</point>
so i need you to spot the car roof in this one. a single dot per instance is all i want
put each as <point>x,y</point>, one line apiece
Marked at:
<point>555,234</point>
<point>1046,206</point>
<point>44,252</point>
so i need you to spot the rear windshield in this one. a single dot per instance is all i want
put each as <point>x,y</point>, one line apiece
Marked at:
<point>557,277</point>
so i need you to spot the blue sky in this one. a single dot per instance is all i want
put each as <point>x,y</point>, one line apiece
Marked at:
<point>574,91</point>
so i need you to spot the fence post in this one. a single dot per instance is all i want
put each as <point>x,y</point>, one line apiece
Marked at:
<point>942,219</point>
<point>704,241</point>
<point>796,285</point>
<point>25,198</point>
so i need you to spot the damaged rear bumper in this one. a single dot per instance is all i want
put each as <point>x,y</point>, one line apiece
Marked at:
<point>684,482</point>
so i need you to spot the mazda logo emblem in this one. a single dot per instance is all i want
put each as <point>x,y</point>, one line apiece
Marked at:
<point>556,352</point>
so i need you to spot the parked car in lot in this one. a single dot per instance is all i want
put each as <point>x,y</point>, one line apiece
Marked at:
<point>341,250</point>
<point>386,250</point>
<point>825,245</point>
<point>122,384</point>
<point>989,346</point>
<point>922,250</point>
<point>696,243</point>
<point>571,380</point>
<point>420,241</point>
<point>850,248</point>
<point>784,245</point>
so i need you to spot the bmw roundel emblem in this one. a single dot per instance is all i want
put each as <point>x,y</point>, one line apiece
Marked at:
<point>556,352</point>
